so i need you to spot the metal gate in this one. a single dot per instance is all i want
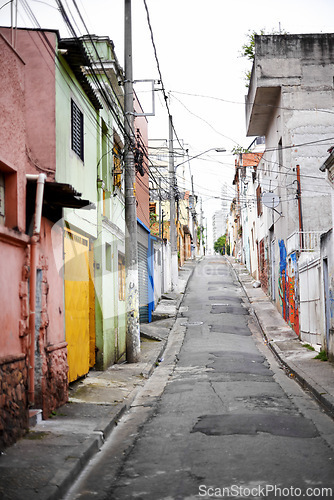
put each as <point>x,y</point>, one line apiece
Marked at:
<point>77,303</point>
<point>310,307</point>
<point>143,284</point>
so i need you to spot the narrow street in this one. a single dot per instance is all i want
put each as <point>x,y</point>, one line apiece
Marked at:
<point>223,421</point>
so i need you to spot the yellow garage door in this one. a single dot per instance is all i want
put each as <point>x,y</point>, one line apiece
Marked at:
<point>77,303</point>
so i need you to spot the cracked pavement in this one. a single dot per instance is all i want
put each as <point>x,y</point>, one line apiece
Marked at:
<point>219,411</point>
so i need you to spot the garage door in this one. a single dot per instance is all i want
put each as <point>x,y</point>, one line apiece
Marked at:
<point>143,283</point>
<point>77,313</point>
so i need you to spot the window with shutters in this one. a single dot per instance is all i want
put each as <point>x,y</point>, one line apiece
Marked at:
<point>77,136</point>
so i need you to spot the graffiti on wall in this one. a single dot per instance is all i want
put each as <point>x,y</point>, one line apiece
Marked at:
<point>288,287</point>
<point>282,279</point>
<point>293,293</point>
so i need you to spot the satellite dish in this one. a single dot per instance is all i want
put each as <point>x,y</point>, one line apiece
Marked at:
<point>270,200</point>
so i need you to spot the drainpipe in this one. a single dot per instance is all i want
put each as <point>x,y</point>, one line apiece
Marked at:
<point>40,179</point>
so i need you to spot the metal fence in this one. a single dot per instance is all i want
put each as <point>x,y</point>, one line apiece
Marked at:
<point>304,241</point>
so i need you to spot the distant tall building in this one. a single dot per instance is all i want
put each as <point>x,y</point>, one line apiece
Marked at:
<point>225,202</point>
<point>218,224</point>
<point>219,217</point>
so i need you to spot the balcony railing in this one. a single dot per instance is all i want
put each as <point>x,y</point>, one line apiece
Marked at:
<point>304,241</point>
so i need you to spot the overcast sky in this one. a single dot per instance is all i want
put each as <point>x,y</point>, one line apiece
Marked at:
<point>198,45</point>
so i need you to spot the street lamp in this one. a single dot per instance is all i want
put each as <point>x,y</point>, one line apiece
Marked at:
<point>172,170</point>
<point>218,150</point>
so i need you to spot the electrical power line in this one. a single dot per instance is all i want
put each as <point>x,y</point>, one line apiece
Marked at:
<point>159,69</point>
<point>320,110</point>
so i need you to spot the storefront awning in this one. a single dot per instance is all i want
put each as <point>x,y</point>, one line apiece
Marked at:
<point>56,197</point>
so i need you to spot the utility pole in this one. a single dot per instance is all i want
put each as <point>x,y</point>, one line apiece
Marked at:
<point>193,220</point>
<point>162,255</point>
<point>131,252</point>
<point>201,229</point>
<point>172,227</point>
<point>160,210</point>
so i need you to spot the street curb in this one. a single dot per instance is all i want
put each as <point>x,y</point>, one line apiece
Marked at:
<point>64,478</point>
<point>111,424</point>
<point>165,341</point>
<point>148,372</point>
<point>316,390</point>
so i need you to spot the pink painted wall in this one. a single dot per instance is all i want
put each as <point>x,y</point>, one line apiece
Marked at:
<point>12,165</point>
<point>12,131</point>
<point>38,53</point>
<point>11,263</point>
<point>51,249</point>
<point>27,145</point>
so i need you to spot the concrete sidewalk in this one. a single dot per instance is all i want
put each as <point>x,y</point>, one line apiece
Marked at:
<point>313,374</point>
<point>46,462</point>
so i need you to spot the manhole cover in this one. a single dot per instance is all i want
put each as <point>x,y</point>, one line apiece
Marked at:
<point>229,309</point>
<point>192,323</point>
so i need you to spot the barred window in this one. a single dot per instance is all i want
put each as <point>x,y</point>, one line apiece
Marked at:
<point>117,166</point>
<point>77,136</point>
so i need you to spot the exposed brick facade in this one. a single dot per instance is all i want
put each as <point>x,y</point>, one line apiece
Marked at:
<point>13,408</point>
<point>55,382</point>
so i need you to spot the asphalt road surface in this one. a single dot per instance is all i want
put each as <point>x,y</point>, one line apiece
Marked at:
<point>219,418</point>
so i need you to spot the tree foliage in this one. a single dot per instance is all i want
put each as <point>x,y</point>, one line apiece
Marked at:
<point>237,150</point>
<point>248,48</point>
<point>220,245</point>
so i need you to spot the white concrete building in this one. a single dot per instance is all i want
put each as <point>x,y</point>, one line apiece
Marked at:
<point>327,266</point>
<point>218,225</point>
<point>290,102</point>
